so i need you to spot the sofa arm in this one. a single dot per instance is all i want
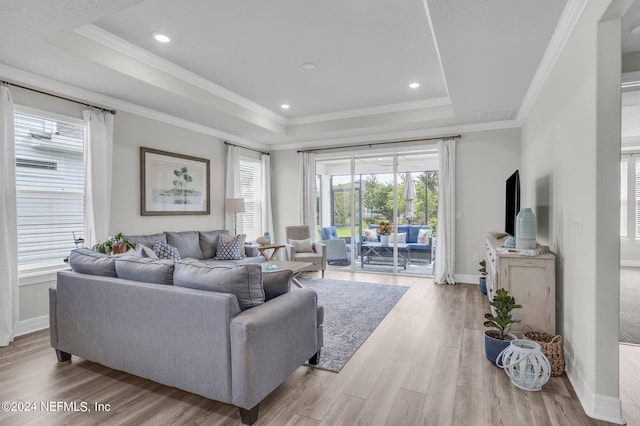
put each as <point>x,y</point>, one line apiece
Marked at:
<point>269,342</point>
<point>53,316</point>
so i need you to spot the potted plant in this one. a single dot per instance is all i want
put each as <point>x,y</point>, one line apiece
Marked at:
<point>384,230</point>
<point>117,244</point>
<point>483,276</point>
<point>500,319</point>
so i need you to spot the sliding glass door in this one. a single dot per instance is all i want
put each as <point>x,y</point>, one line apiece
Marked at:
<point>384,209</point>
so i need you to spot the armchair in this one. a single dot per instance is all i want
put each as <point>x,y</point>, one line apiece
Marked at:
<point>337,248</point>
<point>298,250</point>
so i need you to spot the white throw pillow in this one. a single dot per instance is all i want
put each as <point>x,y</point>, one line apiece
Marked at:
<point>302,246</point>
<point>370,235</point>
<point>401,237</point>
<point>144,251</point>
<point>423,236</point>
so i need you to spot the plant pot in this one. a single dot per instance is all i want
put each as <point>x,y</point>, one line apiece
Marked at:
<point>384,240</point>
<point>483,285</point>
<point>120,249</point>
<point>493,346</point>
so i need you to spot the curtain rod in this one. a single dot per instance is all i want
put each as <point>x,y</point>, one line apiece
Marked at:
<point>371,145</point>
<point>246,147</point>
<point>112,111</point>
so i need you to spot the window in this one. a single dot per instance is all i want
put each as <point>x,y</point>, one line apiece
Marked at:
<point>251,191</point>
<point>50,188</point>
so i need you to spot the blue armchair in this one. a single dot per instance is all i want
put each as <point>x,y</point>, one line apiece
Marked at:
<point>337,253</point>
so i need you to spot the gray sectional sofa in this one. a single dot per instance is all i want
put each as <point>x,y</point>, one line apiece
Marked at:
<point>228,332</point>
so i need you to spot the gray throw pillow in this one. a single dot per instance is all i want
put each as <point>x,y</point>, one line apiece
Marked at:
<point>87,261</point>
<point>276,283</point>
<point>145,269</point>
<point>187,243</point>
<point>209,242</point>
<point>245,281</point>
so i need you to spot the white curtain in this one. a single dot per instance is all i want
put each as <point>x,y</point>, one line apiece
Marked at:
<point>9,308</point>
<point>267,214</point>
<point>233,187</point>
<point>308,190</point>
<point>446,229</point>
<point>98,160</point>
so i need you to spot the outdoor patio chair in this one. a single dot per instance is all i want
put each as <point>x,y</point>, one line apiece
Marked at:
<point>337,248</point>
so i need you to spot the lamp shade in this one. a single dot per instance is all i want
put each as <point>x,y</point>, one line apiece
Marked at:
<point>234,205</point>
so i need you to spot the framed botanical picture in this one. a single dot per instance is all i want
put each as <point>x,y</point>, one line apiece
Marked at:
<point>173,184</point>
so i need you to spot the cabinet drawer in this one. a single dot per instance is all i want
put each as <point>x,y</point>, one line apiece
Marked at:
<point>537,263</point>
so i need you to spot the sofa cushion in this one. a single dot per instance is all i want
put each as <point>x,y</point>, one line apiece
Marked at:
<point>209,242</point>
<point>166,251</point>
<point>245,281</point>
<point>145,269</point>
<point>144,251</point>
<point>147,240</point>
<point>229,247</point>
<point>276,283</point>
<point>87,261</point>
<point>187,243</point>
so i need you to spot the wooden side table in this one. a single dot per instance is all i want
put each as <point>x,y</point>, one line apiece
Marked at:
<point>264,250</point>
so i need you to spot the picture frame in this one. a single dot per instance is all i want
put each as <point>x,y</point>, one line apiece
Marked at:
<point>173,184</point>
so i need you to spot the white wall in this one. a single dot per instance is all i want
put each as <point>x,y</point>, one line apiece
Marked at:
<point>129,134</point>
<point>484,161</point>
<point>570,166</point>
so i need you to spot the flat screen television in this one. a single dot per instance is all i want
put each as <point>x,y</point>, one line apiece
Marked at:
<point>512,203</point>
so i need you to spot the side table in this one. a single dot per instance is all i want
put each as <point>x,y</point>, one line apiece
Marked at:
<point>264,250</point>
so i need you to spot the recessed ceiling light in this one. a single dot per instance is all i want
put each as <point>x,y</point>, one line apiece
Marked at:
<point>285,106</point>
<point>308,66</point>
<point>162,38</point>
<point>414,85</point>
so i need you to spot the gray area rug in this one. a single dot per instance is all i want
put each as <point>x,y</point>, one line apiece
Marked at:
<point>630,305</point>
<point>352,310</point>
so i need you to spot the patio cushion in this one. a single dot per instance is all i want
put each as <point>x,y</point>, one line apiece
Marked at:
<point>328,233</point>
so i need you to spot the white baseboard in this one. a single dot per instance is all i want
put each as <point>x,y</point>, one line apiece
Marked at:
<point>467,279</point>
<point>32,324</point>
<point>630,263</point>
<point>599,407</point>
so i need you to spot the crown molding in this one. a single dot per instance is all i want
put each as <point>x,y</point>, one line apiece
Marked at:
<point>361,112</point>
<point>568,20</point>
<point>36,81</point>
<point>396,136</point>
<point>118,44</point>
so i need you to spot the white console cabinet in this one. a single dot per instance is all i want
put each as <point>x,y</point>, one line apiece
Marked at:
<point>530,279</point>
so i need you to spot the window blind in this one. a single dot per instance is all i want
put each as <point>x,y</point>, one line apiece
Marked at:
<point>49,189</point>
<point>251,191</point>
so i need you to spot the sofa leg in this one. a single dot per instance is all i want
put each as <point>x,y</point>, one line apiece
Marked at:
<point>62,356</point>
<point>314,359</point>
<point>249,416</point>
<point>323,273</point>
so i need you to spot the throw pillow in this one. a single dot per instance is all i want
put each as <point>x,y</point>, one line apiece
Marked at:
<point>401,237</point>
<point>370,235</point>
<point>302,246</point>
<point>276,283</point>
<point>145,269</point>
<point>243,281</point>
<point>229,247</point>
<point>87,261</point>
<point>144,251</point>
<point>166,251</point>
<point>423,236</point>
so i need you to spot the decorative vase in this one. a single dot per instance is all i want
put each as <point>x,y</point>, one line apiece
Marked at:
<point>119,249</point>
<point>384,240</point>
<point>526,229</point>
<point>525,364</point>
<point>483,285</point>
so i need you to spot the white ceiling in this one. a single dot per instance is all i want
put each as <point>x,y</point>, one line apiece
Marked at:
<point>232,63</point>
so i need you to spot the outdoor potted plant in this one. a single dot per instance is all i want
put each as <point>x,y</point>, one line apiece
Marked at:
<point>117,244</point>
<point>384,230</point>
<point>483,276</point>
<point>500,319</point>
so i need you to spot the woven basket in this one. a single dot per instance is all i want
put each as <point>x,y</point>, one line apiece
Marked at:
<point>551,347</point>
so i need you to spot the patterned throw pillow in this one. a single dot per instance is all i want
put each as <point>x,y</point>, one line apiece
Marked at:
<point>229,247</point>
<point>166,251</point>
<point>370,235</point>
<point>423,236</point>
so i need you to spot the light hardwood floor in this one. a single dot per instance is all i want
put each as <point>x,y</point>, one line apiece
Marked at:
<point>423,365</point>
